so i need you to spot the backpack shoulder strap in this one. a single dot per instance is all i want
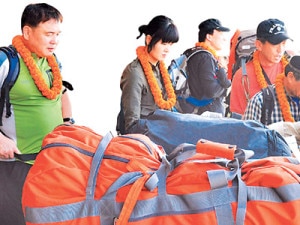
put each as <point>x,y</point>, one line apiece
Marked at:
<point>268,104</point>
<point>13,72</point>
<point>192,51</point>
<point>245,79</point>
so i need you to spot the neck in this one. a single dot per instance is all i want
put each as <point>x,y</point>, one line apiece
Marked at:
<point>208,44</point>
<point>151,59</point>
<point>208,48</point>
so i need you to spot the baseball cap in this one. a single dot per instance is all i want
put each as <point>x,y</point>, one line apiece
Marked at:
<point>272,30</point>
<point>212,24</point>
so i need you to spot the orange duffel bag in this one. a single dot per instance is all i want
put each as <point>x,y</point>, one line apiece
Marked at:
<point>80,177</point>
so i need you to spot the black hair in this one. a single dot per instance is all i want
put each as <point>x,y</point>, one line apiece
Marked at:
<point>289,68</point>
<point>34,14</point>
<point>262,40</point>
<point>160,28</point>
<point>203,32</point>
<point>208,26</point>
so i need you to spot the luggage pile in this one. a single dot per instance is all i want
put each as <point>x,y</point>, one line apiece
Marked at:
<point>81,177</point>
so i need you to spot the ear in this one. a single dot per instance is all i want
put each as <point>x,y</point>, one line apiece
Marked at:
<point>26,32</point>
<point>258,45</point>
<point>209,37</point>
<point>291,77</point>
<point>148,39</point>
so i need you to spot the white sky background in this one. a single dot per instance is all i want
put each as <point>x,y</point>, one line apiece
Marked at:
<point>99,39</point>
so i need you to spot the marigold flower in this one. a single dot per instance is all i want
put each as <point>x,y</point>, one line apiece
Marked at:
<point>154,87</point>
<point>36,74</point>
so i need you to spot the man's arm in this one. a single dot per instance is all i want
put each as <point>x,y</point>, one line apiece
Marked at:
<point>66,106</point>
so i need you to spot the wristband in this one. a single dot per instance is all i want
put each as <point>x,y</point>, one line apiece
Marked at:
<point>69,119</point>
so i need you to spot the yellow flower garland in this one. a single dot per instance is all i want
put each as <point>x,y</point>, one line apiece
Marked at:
<point>206,47</point>
<point>282,99</point>
<point>50,93</point>
<point>154,87</point>
<point>258,70</point>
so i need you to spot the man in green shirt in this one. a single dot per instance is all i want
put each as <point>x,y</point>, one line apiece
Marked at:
<point>38,103</point>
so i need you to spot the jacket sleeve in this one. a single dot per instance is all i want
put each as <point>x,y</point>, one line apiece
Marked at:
<point>222,77</point>
<point>131,87</point>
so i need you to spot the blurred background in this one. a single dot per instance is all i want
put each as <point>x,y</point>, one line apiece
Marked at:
<point>99,39</point>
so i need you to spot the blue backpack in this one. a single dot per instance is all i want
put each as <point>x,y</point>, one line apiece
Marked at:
<point>13,72</point>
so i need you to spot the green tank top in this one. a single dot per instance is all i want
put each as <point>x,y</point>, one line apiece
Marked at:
<point>34,115</point>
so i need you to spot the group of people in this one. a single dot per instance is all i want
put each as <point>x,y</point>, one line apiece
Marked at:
<point>267,67</point>
<point>145,87</point>
<point>40,101</point>
<point>145,82</point>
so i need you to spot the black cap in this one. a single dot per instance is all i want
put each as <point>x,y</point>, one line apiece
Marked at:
<point>272,30</point>
<point>294,64</point>
<point>212,24</point>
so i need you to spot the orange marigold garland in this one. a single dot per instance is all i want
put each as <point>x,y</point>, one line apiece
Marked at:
<point>207,48</point>
<point>258,70</point>
<point>50,93</point>
<point>154,87</point>
<point>282,99</point>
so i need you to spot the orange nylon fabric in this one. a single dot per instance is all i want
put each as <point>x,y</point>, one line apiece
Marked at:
<point>269,172</point>
<point>216,149</point>
<point>131,200</point>
<point>231,60</point>
<point>60,174</point>
<point>66,171</point>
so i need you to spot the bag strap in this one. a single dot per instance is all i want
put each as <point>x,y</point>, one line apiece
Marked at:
<point>266,76</point>
<point>245,79</point>
<point>97,159</point>
<point>268,104</point>
<point>26,157</point>
<point>13,72</point>
<point>131,200</point>
<point>226,155</point>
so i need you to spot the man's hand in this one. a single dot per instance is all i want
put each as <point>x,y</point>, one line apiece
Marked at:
<point>7,148</point>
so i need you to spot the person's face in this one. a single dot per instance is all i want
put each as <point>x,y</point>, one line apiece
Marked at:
<point>44,38</point>
<point>160,51</point>
<point>292,85</point>
<point>271,53</point>
<point>218,39</point>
